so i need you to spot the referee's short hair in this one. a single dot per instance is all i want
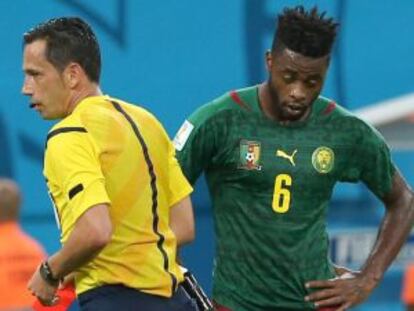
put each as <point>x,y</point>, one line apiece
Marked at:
<point>69,39</point>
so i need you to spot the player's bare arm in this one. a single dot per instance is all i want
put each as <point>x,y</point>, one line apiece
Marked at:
<point>346,292</point>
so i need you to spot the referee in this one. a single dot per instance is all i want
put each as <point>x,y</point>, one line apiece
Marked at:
<point>112,174</point>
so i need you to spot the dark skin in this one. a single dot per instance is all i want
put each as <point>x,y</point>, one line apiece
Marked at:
<point>410,308</point>
<point>294,83</point>
<point>395,227</point>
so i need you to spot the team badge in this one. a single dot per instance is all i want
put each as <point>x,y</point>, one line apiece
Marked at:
<point>250,155</point>
<point>323,159</point>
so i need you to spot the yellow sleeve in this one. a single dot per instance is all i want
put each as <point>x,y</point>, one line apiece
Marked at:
<point>72,164</point>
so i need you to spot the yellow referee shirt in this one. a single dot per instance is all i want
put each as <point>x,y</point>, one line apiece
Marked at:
<point>109,151</point>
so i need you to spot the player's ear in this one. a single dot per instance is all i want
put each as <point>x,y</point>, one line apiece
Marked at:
<point>268,60</point>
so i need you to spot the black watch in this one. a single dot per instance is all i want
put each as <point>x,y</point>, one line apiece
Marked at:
<point>47,275</point>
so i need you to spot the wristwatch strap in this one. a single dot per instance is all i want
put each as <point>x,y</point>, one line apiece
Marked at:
<point>47,275</point>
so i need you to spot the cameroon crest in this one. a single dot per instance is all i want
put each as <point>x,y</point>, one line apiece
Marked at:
<point>250,155</point>
<point>323,159</point>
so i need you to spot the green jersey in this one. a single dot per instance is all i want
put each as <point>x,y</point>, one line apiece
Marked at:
<point>270,186</point>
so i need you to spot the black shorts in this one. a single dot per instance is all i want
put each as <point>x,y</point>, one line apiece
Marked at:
<point>121,298</point>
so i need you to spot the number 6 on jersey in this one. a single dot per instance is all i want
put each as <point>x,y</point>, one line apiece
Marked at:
<point>281,193</point>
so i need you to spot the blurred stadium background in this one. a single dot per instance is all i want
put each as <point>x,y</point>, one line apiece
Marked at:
<point>171,56</point>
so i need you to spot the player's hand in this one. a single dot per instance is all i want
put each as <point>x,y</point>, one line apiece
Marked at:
<point>342,292</point>
<point>44,292</point>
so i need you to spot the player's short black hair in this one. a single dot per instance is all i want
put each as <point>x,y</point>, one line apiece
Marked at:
<point>69,39</point>
<point>308,33</point>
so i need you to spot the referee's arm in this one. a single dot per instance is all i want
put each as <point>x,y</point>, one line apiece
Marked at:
<point>91,233</point>
<point>182,221</point>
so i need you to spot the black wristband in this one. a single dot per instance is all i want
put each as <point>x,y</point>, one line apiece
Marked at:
<point>47,275</point>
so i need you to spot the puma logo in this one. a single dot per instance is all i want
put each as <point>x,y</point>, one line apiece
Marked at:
<point>282,154</point>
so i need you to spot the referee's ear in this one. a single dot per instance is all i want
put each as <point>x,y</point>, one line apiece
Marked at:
<point>74,75</point>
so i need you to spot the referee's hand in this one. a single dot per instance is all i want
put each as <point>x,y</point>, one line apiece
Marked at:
<point>44,292</point>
